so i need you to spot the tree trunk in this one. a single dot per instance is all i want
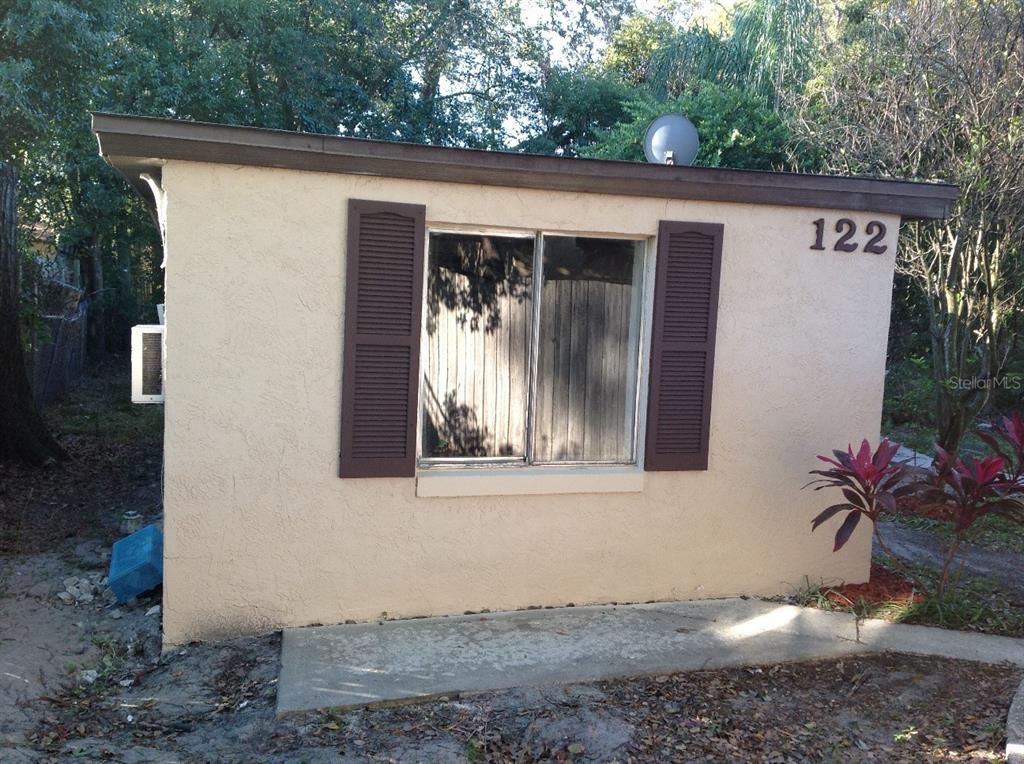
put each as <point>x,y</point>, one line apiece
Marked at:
<point>22,432</point>
<point>960,392</point>
<point>954,419</point>
<point>92,271</point>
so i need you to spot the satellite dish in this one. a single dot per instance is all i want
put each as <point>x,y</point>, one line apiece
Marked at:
<point>671,139</point>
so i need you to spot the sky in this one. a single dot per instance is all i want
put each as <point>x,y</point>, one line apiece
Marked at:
<point>684,11</point>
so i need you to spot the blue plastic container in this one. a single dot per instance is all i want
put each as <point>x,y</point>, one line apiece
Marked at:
<point>137,563</point>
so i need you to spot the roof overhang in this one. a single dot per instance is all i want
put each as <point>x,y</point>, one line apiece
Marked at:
<point>139,146</point>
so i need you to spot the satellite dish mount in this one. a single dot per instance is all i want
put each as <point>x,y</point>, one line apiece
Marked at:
<point>671,139</point>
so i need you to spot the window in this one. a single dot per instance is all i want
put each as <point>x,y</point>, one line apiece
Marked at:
<point>483,348</point>
<point>531,349</point>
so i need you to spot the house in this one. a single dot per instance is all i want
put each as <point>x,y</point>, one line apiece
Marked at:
<point>406,380</point>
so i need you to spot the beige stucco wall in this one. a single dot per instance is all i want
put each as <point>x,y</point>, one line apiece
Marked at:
<point>260,531</point>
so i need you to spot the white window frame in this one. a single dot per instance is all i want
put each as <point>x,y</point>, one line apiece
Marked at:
<point>642,361</point>
<point>136,351</point>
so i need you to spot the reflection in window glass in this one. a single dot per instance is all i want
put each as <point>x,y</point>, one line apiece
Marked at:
<point>477,354</point>
<point>589,345</point>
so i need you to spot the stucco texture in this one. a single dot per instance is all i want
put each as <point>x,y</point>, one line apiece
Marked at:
<point>262,533</point>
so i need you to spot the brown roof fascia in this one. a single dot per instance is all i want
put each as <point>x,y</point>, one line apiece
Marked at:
<point>137,145</point>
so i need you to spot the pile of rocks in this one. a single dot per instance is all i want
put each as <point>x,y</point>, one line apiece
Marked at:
<point>81,590</point>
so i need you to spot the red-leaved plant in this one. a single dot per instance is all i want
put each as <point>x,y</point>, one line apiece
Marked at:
<point>1007,440</point>
<point>969,490</point>
<point>870,482</point>
<point>962,490</point>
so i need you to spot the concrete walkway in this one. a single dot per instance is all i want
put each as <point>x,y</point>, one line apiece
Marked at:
<point>401,661</point>
<point>913,458</point>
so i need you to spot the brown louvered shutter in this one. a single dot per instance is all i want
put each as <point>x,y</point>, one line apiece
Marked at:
<point>383,298</point>
<point>683,345</point>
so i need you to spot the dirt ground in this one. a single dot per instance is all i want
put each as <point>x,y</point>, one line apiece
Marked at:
<point>82,677</point>
<point>215,703</point>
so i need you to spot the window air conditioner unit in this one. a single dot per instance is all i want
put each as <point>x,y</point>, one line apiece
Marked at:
<point>148,363</point>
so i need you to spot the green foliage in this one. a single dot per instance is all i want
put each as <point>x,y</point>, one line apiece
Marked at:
<point>574,109</point>
<point>931,90</point>
<point>48,50</point>
<point>780,40</point>
<point>428,71</point>
<point>252,63</point>
<point>55,54</point>
<point>581,26</point>
<point>634,46</point>
<point>909,394</point>
<point>768,48</point>
<point>736,129</point>
<point>731,83</point>
<point>1008,395</point>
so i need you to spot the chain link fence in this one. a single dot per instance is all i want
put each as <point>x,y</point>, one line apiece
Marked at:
<point>57,336</point>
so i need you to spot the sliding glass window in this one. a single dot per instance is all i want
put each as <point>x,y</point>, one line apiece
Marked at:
<point>523,370</point>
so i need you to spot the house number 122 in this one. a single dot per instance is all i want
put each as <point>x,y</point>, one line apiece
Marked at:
<point>847,230</point>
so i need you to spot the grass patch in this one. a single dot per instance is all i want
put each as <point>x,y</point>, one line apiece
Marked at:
<point>977,605</point>
<point>990,532</point>
<point>915,436</point>
<point>101,407</point>
<point>922,439</point>
<point>114,659</point>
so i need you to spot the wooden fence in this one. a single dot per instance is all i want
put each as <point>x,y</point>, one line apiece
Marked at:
<point>477,373</point>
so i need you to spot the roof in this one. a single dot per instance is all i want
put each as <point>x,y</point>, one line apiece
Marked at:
<point>138,146</point>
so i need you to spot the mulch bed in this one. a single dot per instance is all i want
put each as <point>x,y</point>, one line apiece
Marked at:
<point>913,506</point>
<point>884,586</point>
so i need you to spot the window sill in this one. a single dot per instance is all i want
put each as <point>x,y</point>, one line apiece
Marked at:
<point>526,481</point>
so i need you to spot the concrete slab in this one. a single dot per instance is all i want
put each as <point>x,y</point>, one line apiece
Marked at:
<point>1015,729</point>
<point>401,661</point>
<point>395,661</point>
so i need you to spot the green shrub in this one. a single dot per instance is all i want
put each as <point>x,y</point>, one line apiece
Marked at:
<point>909,394</point>
<point>736,129</point>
